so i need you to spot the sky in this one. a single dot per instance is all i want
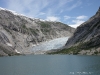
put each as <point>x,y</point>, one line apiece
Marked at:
<point>70,12</point>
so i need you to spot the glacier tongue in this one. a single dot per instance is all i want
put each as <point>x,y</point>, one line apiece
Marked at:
<point>49,45</point>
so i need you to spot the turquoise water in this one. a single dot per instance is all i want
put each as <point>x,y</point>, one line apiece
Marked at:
<point>50,65</point>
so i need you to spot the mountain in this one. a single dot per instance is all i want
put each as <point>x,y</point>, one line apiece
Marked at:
<point>19,34</point>
<point>86,38</point>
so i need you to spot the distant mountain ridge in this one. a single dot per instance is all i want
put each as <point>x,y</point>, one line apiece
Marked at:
<point>18,33</point>
<point>86,38</point>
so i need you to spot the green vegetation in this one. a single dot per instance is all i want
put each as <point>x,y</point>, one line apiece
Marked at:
<point>45,30</point>
<point>23,26</point>
<point>37,30</point>
<point>33,31</point>
<point>29,30</point>
<point>96,52</point>
<point>71,50</point>
<point>45,25</point>
<point>24,29</point>
<point>74,49</point>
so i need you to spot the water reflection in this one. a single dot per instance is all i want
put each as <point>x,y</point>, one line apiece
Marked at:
<point>50,65</point>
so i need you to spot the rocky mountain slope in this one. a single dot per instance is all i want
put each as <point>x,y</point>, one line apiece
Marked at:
<point>86,38</point>
<point>18,33</point>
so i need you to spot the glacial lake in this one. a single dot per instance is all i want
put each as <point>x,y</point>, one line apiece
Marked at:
<point>50,65</point>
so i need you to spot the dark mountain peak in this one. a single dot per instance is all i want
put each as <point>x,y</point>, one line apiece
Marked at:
<point>86,35</point>
<point>99,8</point>
<point>98,12</point>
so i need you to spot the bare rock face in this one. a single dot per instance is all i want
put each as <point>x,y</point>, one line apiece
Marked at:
<point>87,35</point>
<point>19,33</point>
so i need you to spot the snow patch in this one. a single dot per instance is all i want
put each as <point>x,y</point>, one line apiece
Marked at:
<point>42,20</point>
<point>13,12</point>
<point>2,8</point>
<point>33,45</point>
<point>9,44</point>
<point>23,16</point>
<point>17,51</point>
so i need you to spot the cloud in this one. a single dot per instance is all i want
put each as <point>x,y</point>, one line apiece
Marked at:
<point>42,13</point>
<point>81,17</point>
<point>37,8</point>
<point>76,23</point>
<point>51,10</point>
<point>67,17</point>
<point>53,18</point>
<point>30,8</point>
<point>76,4</point>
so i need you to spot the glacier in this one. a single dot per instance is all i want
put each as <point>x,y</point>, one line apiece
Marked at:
<point>49,45</point>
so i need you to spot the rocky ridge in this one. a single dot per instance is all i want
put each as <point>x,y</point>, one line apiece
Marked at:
<point>18,33</point>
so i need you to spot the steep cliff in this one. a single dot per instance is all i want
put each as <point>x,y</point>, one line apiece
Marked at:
<point>88,31</point>
<point>86,38</point>
<point>18,33</point>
